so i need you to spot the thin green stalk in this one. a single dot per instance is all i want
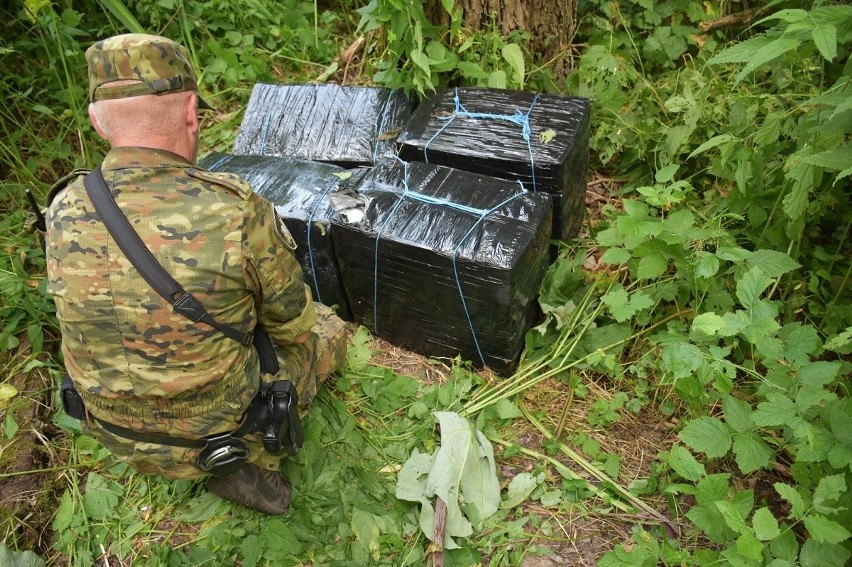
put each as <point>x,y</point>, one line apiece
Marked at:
<point>600,475</point>
<point>566,472</point>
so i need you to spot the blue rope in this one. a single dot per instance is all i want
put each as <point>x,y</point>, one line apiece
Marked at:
<point>456,271</point>
<point>264,134</point>
<point>219,162</point>
<point>481,213</point>
<point>520,118</point>
<point>320,199</point>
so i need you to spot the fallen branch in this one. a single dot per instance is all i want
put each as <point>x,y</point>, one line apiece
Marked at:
<point>743,17</point>
<point>435,552</point>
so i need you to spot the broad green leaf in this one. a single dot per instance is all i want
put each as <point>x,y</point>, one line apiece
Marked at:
<point>520,488</point>
<point>623,306</point>
<point>829,488</point>
<point>765,525</point>
<point>751,452</point>
<point>785,545</point>
<point>463,469</point>
<point>772,263</point>
<point>421,60</point>
<point>825,38</point>
<point>816,554</point>
<point>683,463</point>
<point>471,70</point>
<point>777,410</point>
<point>712,487</point>
<point>769,131</point>
<point>101,496</point>
<point>732,254</point>
<point>750,547</point>
<point>652,266</point>
<point>766,54</point>
<point>359,353</point>
<point>790,494</point>
<point>10,558</point>
<point>712,143</point>
<point>737,414</point>
<point>616,255</point>
<point>709,520</point>
<point>840,342</point>
<point>7,392</point>
<point>252,550</point>
<point>751,286</point>
<point>824,530</point>
<point>810,396</point>
<point>279,535</point>
<point>733,517</point>
<point>667,173</point>
<point>708,324</point>
<point>65,513</point>
<point>506,409</point>
<point>513,56</point>
<point>202,508</point>
<point>707,435</point>
<point>819,373</point>
<point>497,79</point>
<point>11,426</point>
<point>834,160</point>
<point>706,264</point>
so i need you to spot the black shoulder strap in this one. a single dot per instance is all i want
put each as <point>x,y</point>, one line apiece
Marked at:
<point>160,280</point>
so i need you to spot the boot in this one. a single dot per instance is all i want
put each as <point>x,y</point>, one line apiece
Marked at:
<point>254,487</point>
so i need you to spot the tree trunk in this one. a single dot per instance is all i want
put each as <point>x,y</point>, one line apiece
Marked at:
<point>552,24</point>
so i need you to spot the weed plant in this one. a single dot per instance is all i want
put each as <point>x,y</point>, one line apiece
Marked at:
<point>714,290</point>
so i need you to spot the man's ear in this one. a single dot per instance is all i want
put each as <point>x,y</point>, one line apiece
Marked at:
<point>94,118</point>
<point>192,113</point>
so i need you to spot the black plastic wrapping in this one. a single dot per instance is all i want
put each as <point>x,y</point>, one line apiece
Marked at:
<point>558,142</point>
<point>300,191</point>
<point>411,273</point>
<point>347,126</point>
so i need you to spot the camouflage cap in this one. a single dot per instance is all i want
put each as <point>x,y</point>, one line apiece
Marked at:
<point>160,64</point>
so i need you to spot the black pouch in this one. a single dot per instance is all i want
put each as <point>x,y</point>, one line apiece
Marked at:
<point>222,455</point>
<point>284,426</point>
<point>71,400</point>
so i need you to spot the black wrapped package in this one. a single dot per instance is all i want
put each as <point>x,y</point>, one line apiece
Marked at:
<point>300,191</point>
<point>444,262</point>
<point>347,126</point>
<point>541,140</point>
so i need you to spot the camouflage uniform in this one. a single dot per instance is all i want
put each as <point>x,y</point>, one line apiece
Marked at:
<point>135,362</point>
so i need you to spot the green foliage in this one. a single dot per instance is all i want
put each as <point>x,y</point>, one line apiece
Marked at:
<point>415,54</point>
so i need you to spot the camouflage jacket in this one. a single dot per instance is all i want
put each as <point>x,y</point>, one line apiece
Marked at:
<point>134,361</point>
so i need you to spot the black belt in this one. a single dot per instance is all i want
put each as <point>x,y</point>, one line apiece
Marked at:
<point>246,427</point>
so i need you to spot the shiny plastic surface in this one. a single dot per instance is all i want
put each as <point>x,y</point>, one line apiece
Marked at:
<point>397,259</point>
<point>489,139</point>
<point>347,126</point>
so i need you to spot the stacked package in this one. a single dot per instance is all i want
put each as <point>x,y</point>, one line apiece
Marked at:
<point>301,192</point>
<point>445,262</point>
<point>540,140</point>
<point>347,126</point>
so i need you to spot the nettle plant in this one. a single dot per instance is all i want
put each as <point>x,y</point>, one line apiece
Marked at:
<point>745,258</point>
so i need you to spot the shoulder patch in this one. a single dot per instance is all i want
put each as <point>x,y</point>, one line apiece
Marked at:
<point>230,180</point>
<point>283,232</point>
<point>62,183</point>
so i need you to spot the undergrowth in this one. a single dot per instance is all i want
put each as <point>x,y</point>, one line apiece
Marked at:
<point>713,291</point>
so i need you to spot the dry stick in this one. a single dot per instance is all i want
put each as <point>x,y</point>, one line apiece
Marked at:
<point>743,17</point>
<point>435,554</point>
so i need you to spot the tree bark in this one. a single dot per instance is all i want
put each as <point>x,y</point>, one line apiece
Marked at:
<point>552,24</point>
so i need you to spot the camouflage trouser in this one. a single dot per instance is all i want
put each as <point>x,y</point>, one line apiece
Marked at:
<point>323,352</point>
